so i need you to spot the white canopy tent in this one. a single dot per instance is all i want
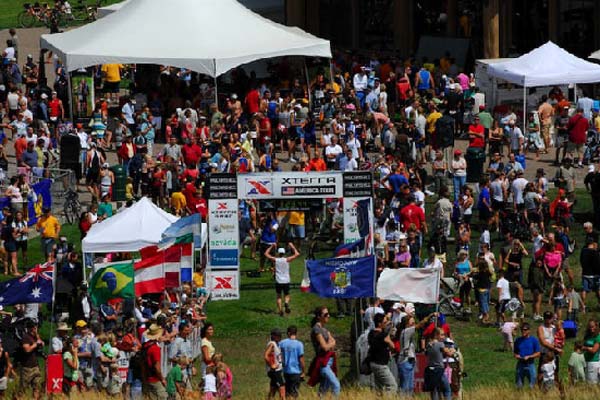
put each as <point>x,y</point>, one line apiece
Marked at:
<point>207,36</point>
<point>104,11</point>
<point>547,65</point>
<point>131,229</point>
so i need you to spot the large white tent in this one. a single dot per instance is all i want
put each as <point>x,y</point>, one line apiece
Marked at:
<point>547,65</point>
<point>207,36</point>
<point>131,229</point>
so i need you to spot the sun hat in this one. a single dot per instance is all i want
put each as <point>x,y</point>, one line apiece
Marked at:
<point>154,332</point>
<point>62,326</point>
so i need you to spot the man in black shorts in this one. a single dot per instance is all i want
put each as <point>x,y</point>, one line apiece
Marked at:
<point>282,274</point>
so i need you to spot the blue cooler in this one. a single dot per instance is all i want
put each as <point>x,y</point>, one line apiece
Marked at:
<point>570,328</point>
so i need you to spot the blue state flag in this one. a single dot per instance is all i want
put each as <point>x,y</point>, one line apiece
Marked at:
<point>344,278</point>
<point>35,286</point>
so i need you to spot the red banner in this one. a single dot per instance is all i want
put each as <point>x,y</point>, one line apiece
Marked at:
<point>54,373</point>
<point>420,365</point>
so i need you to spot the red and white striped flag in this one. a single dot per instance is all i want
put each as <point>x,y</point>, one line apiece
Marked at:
<point>158,270</point>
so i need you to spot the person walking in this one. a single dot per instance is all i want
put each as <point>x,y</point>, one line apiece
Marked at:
<point>526,350</point>
<point>292,350</point>
<point>274,364</point>
<point>380,345</point>
<point>282,275</point>
<point>49,229</point>
<point>323,368</point>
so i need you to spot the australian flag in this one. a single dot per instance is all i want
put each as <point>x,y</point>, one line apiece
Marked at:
<point>35,286</point>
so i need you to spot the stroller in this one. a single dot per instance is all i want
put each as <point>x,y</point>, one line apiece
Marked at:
<point>450,303</point>
<point>591,150</point>
<point>514,222</point>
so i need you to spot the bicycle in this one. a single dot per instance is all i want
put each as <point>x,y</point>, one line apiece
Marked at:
<point>72,206</point>
<point>34,14</point>
<point>85,13</point>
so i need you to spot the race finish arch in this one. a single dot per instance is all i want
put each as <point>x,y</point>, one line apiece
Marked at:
<point>284,191</point>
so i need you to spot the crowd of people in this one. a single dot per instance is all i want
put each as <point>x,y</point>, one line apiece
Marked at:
<point>398,118</point>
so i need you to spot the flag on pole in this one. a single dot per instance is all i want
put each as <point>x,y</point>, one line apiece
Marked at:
<point>343,278</point>
<point>114,281</point>
<point>415,285</point>
<point>184,230</point>
<point>149,276</point>
<point>35,286</point>
<point>175,263</point>
<point>347,249</point>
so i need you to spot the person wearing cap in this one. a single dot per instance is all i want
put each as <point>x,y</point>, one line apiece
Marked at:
<point>84,353</point>
<point>49,229</point>
<point>282,274</point>
<point>526,350</point>
<point>155,383</point>
<point>274,362</point>
<point>107,180</point>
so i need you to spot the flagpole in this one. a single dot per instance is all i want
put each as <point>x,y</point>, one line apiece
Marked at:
<point>437,304</point>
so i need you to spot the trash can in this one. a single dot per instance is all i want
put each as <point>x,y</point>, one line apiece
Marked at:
<point>475,158</point>
<point>118,190</point>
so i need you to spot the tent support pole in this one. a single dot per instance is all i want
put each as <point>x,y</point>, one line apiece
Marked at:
<point>575,94</point>
<point>216,86</point>
<point>70,87</point>
<point>524,107</point>
<point>307,85</point>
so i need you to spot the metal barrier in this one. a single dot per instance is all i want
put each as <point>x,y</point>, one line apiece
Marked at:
<point>196,342</point>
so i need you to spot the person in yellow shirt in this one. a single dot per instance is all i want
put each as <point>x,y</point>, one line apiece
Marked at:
<point>296,224</point>
<point>49,229</point>
<point>178,203</point>
<point>112,78</point>
<point>129,189</point>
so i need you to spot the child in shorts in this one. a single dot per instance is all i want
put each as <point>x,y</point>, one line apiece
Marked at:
<point>547,372</point>
<point>508,330</point>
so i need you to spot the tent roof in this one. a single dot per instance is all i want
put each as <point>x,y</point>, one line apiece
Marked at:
<point>544,66</point>
<point>104,11</point>
<point>207,36</point>
<point>135,227</point>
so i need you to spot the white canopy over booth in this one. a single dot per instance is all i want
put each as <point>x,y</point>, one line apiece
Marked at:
<point>207,36</point>
<point>131,229</point>
<point>106,10</point>
<point>544,66</point>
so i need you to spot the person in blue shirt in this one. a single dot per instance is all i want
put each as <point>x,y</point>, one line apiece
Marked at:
<point>484,203</point>
<point>526,350</point>
<point>396,179</point>
<point>268,237</point>
<point>293,361</point>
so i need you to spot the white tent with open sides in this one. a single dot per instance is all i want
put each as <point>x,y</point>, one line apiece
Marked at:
<point>129,230</point>
<point>207,36</point>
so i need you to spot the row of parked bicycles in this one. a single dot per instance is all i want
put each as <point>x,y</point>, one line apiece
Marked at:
<point>61,14</point>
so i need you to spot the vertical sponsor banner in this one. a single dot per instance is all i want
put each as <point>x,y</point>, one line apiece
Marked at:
<point>351,231</point>
<point>83,95</point>
<point>224,284</point>
<point>223,236</point>
<point>54,373</point>
<point>222,275</point>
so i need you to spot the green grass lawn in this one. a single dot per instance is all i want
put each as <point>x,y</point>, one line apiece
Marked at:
<point>242,327</point>
<point>12,8</point>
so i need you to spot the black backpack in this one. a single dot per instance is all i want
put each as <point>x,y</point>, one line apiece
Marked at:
<point>444,131</point>
<point>139,364</point>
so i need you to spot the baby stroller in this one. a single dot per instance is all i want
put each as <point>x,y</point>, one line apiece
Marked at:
<point>514,222</point>
<point>450,303</point>
<point>592,147</point>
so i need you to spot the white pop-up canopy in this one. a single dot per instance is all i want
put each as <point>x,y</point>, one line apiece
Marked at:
<point>131,229</point>
<point>207,36</point>
<point>547,65</point>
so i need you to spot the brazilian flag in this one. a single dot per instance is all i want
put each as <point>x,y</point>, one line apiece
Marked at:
<point>113,281</point>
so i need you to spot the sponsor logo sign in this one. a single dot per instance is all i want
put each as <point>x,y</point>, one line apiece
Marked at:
<point>224,285</point>
<point>223,257</point>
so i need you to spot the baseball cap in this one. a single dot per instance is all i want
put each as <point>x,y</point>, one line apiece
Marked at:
<point>457,152</point>
<point>80,324</point>
<point>281,250</point>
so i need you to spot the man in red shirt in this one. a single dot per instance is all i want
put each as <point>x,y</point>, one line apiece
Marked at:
<point>191,153</point>
<point>252,101</point>
<point>578,127</point>
<point>476,134</point>
<point>413,214</point>
<point>155,384</point>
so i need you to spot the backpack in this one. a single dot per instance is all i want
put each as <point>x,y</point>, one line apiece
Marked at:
<point>444,131</point>
<point>138,363</point>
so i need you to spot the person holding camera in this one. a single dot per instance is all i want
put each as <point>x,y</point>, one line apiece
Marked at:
<point>380,348</point>
<point>30,374</point>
